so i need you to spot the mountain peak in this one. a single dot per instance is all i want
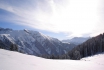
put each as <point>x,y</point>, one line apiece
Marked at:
<point>26,30</point>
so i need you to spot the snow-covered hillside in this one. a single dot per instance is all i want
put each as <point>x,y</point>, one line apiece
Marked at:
<point>33,42</point>
<point>10,60</point>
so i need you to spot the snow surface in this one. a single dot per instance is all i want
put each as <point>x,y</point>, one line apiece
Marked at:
<point>10,60</point>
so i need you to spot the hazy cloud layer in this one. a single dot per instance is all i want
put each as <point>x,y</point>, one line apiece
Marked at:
<point>72,17</point>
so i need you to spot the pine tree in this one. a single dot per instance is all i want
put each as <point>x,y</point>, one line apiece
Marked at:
<point>14,47</point>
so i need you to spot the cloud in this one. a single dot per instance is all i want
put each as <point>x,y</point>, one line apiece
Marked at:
<point>72,17</point>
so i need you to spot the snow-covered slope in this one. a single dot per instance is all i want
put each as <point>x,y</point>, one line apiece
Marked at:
<point>33,42</point>
<point>76,40</point>
<point>10,60</point>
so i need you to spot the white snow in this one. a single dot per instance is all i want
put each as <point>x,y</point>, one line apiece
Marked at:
<point>10,60</point>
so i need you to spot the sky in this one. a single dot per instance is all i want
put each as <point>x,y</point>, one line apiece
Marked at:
<point>62,19</point>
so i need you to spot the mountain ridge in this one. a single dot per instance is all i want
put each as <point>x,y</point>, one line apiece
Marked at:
<point>33,42</point>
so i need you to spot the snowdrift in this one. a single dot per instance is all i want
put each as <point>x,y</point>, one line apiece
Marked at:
<point>10,60</point>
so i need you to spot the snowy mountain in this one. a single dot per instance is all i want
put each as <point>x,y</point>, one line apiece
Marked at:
<point>10,60</point>
<point>32,42</point>
<point>76,40</point>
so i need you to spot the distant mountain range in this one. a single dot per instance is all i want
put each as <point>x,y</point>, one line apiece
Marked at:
<point>32,42</point>
<point>76,40</point>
